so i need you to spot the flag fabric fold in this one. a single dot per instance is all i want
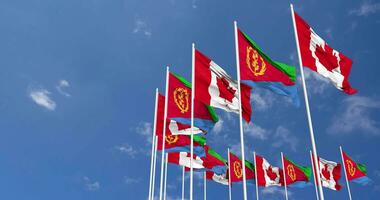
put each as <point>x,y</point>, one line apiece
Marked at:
<point>355,172</point>
<point>237,169</point>
<point>267,175</point>
<point>181,143</point>
<point>184,159</point>
<point>222,178</point>
<point>330,174</point>
<point>295,173</point>
<point>318,56</point>
<point>214,162</point>
<point>214,87</point>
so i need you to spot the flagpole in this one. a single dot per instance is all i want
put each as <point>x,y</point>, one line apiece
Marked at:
<point>283,171</point>
<point>315,181</point>
<point>154,166</point>
<point>240,113</point>
<point>163,132</point>
<point>153,142</point>
<point>345,172</point>
<point>204,186</point>
<point>257,182</point>
<point>183,183</point>
<point>229,175</point>
<point>166,174</point>
<point>192,119</point>
<point>307,107</point>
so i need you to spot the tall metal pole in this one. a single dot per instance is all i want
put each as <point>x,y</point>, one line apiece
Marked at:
<point>163,132</point>
<point>153,146</point>
<point>240,113</point>
<point>307,107</point>
<point>192,119</point>
<point>229,175</point>
<point>284,174</point>
<point>314,178</point>
<point>345,172</point>
<point>166,174</point>
<point>154,166</point>
<point>204,186</point>
<point>257,182</point>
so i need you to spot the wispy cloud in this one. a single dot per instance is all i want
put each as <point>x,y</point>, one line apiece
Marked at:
<point>256,131</point>
<point>279,191</point>
<point>130,180</point>
<point>316,84</point>
<point>127,149</point>
<point>194,4</point>
<point>218,126</point>
<point>145,129</point>
<point>355,114</point>
<point>91,185</point>
<point>42,98</point>
<point>366,8</point>
<point>142,27</point>
<point>62,85</point>
<point>283,137</point>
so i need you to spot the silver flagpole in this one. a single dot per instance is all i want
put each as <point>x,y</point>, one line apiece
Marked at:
<point>257,183</point>
<point>154,166</point>
<point>284,174</point>
<point>163,132</point>
<point>229,175</point>
<point>192,119</point>
<point>204,186</point>
<point>153,141</point>
<point>183,183</point>
<point>166,174</point>
<point>315,181</point>
<point>240,113</point>
<point>307,107</point>
<point>345,172</point>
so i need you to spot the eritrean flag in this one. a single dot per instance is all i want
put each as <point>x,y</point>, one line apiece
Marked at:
<point>214,162</point>
<point>181,143</point>
<point>258,69</point>
<point>236,169</point>
<point>295,172</point>
<point>179,105</point>
<point>356,172</point>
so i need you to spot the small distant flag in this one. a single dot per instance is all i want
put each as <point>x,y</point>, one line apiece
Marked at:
<point>330,174</point>
<point>184,159</point>
<point>214,87</point>
<point>267,175</point>
<point>318,56</point>
<point>295,173</point>
<point>355,172</point>
<point>222,179</point>
<point>236,169</point>
<point>181,143</point>
<point>257,69</point>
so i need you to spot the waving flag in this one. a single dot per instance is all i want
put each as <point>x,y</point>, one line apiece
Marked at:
<point>257,69</point>
<point>214,87</point>
<point>267,175</point>
<point>222,179</point>
<point>184,159</point>
<point>179,105</point>
<point>181,143</point>
<point>356,172</point>
<point>318,56</point>
<point>330,174</point>
<point>237,169</point>
<point>214,162</point>
<point>295,173</point>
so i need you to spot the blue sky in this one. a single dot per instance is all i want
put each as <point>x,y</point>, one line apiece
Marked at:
<point>78,78</point>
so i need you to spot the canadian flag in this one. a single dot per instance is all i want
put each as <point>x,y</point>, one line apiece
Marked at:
<point>184,159</point>
<point>214,87</point>
<point>176,128</point>
<point>267,175</point>
<point>330,174</point>
<point>320,57</point>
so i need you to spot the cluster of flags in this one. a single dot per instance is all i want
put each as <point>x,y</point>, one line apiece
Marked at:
<point>185,114</point>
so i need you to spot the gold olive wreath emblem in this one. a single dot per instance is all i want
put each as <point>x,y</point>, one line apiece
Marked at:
<point>181,99</point>
<point>171,139</point>
<point>238,170</point>
<point>252,60</point>
<point>291,172</point>
<point>351,168</point>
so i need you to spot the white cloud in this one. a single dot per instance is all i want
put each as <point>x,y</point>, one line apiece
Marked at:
<point>127,149</point>
<point>142,27</point>
<point>262,100</point>
<point>275,191</point>
<point>328,32</point>
<point>91,185</point>
<point>218,126</point>
<point>41,97</point>
<point>316,84</point>
<point>194,4</point>
<point>283,137</point>
<point>145,129</point>
<point>62,84</point>
<point>366,8</point>
<point>356,116</point>
<point>256,131</point>
<point>129,180</point>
